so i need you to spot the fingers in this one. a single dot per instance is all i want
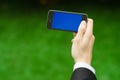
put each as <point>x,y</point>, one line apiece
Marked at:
<point>85,31</point>
<point>89,29</point>
<point>81,29</point>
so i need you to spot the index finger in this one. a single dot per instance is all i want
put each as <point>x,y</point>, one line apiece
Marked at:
<point>89,29</point>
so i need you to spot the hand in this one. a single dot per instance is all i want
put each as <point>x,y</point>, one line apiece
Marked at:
<point>83,42</point>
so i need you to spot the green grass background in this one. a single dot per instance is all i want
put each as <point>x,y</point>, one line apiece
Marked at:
<point>29,51</point>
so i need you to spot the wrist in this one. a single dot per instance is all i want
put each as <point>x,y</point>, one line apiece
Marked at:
<point>87,61</point>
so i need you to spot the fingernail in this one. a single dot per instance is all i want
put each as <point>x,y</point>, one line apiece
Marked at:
<point>83,22</point>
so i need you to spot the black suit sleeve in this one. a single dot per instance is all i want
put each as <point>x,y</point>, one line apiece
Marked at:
<point>83,74</point>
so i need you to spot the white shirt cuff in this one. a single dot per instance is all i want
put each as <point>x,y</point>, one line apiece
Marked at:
<point>84,65</point>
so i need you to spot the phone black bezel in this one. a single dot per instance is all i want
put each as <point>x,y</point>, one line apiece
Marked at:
<point>50,17</point>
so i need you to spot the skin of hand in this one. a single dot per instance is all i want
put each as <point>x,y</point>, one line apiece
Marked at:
<point>82,43</point>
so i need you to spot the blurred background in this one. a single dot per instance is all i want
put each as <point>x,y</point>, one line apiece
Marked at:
<point>29,51</point>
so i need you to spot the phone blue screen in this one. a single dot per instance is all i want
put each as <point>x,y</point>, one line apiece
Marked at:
<point>66,21</point>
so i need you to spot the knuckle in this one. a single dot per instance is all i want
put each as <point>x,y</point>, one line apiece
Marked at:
<point>76,40</point>
<point>89,35</point>
<point>82,29</point>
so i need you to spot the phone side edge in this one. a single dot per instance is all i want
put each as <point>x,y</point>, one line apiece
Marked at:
<point>49,19</point>
<point>69,12</point>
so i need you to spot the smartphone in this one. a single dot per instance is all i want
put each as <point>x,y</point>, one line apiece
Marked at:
<point>63,20</point>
